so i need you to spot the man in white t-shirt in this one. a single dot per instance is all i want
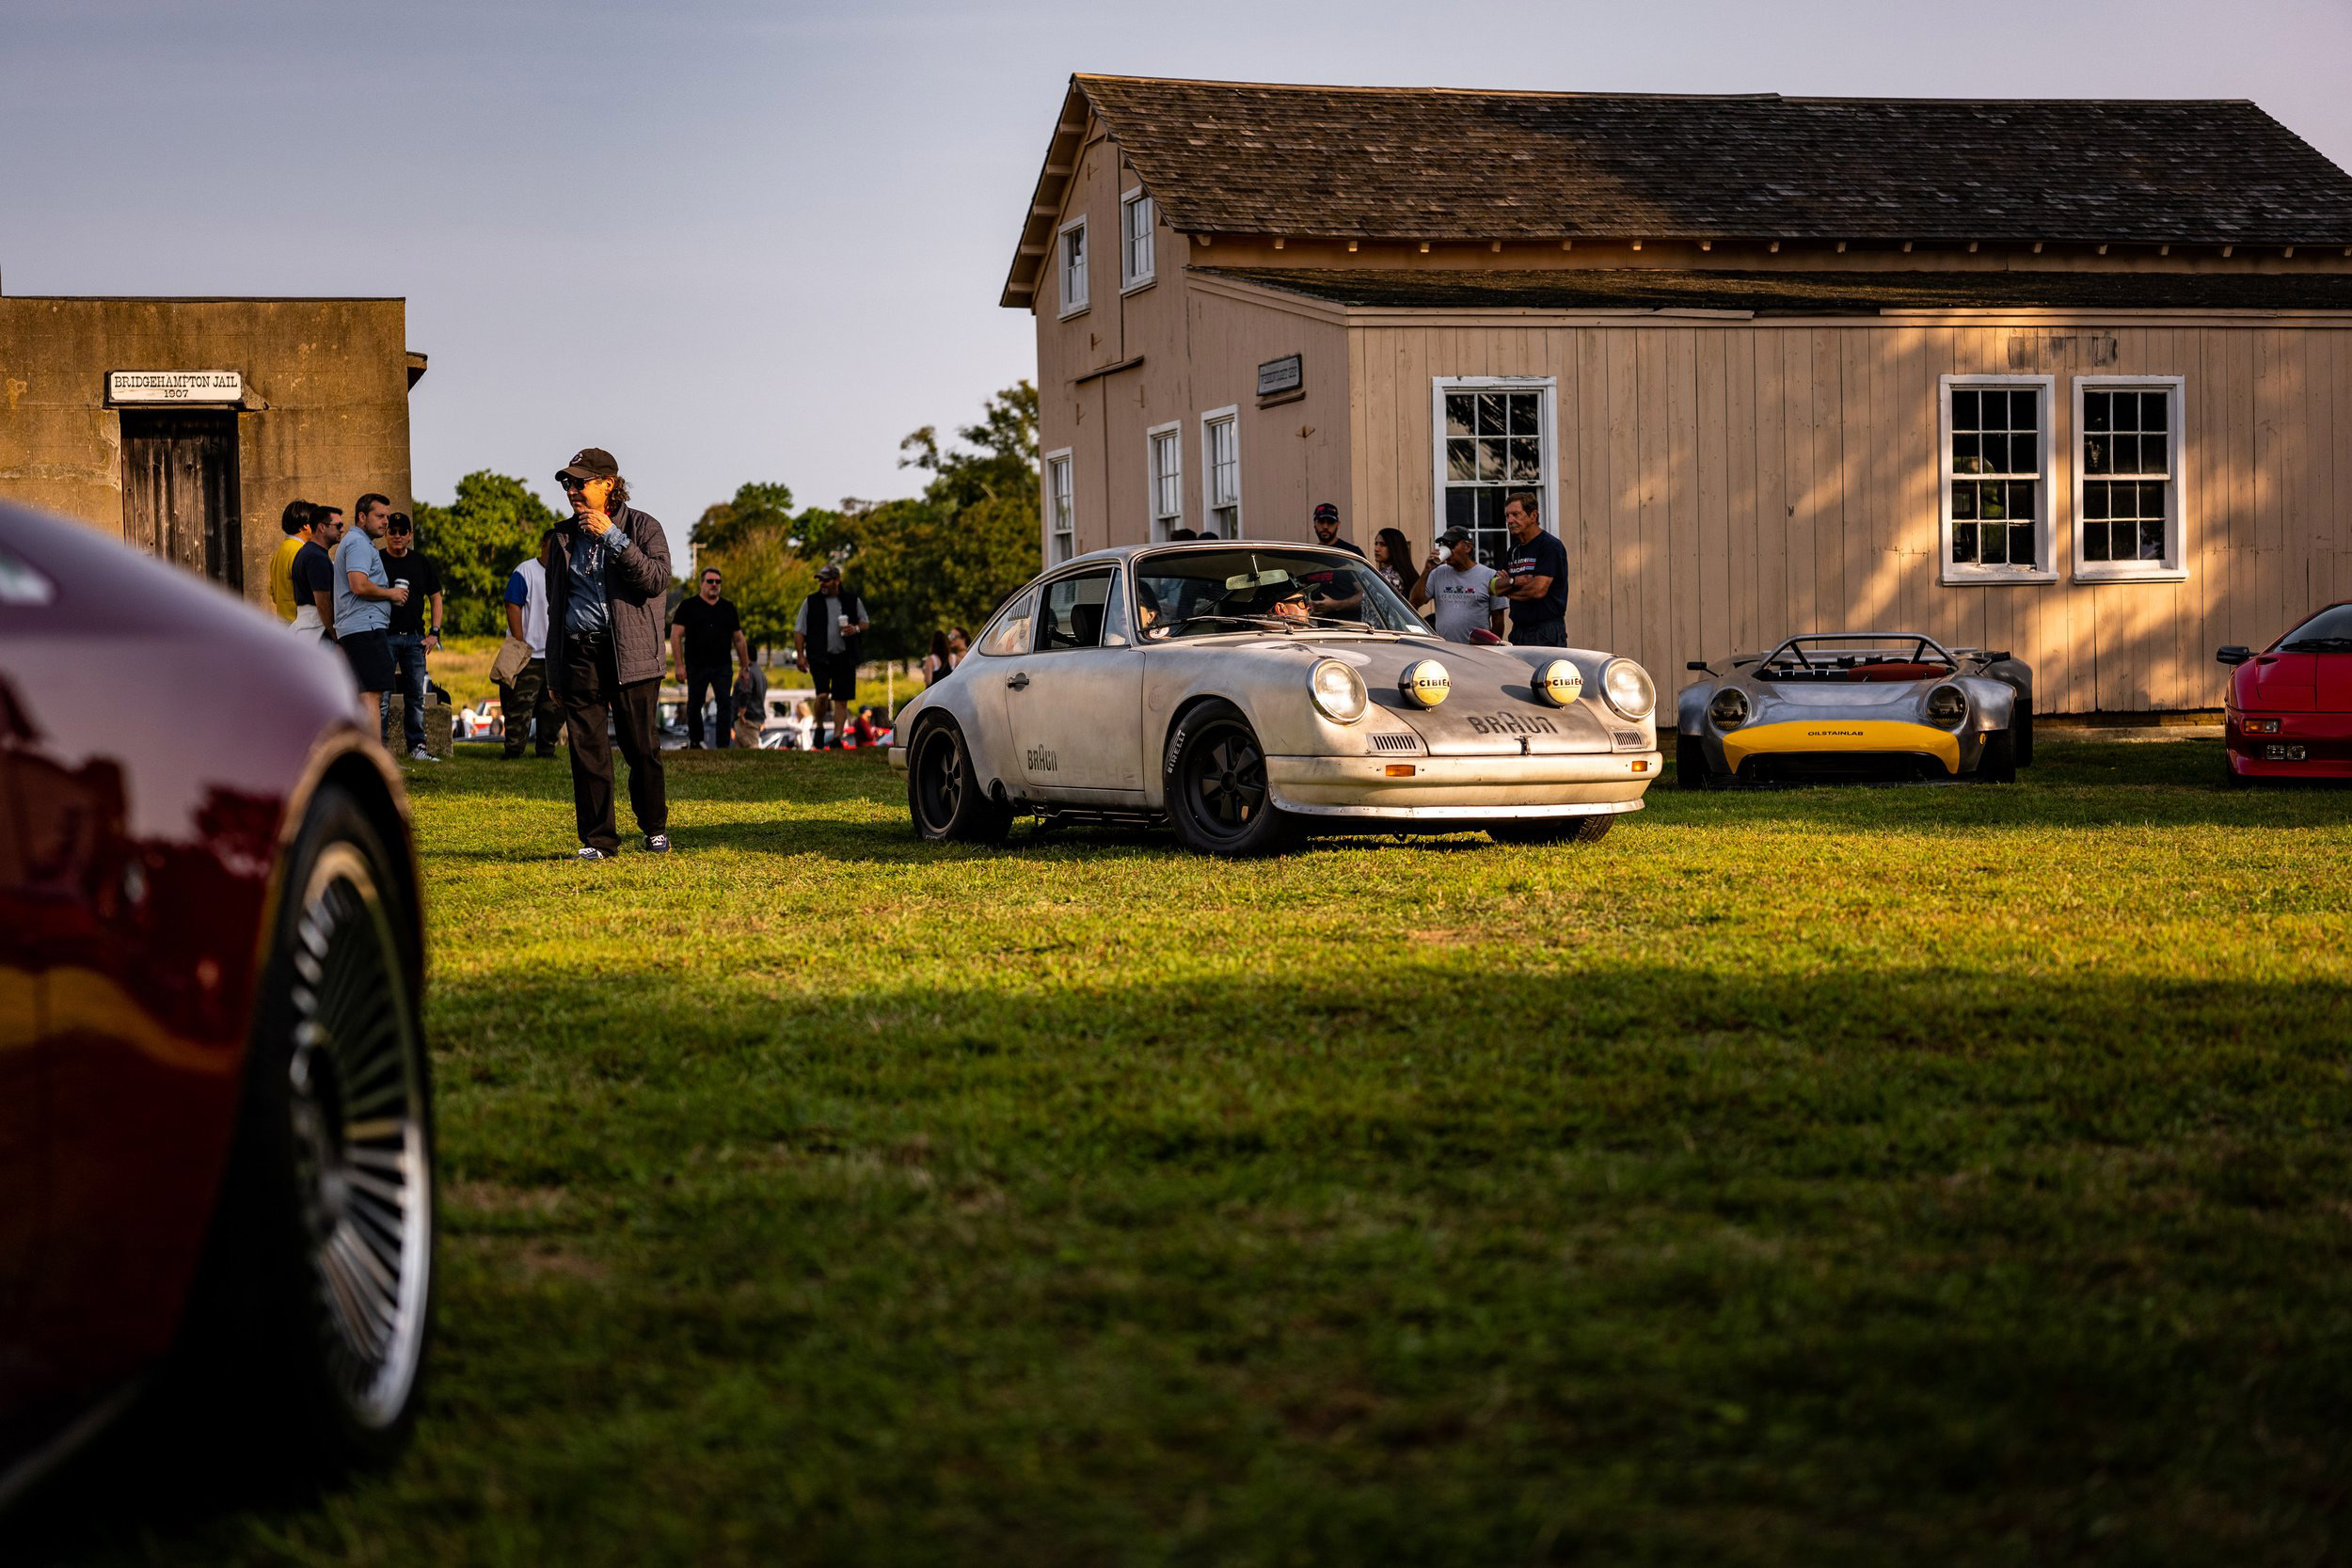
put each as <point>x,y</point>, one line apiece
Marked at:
<point>528,705</point>
<point>1459,587</point>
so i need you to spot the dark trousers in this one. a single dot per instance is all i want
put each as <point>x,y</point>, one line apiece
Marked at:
<point>699,684</point>
<point>527,703</point>
<point>408,680</point>
<point>590,692</point>
<point>1541,634</point>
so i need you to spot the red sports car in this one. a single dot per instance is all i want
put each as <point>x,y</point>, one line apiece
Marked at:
<point>2291,705</point>
<point>216,1121</point>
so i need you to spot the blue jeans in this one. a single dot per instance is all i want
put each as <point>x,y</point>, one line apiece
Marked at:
<point>408,680</point>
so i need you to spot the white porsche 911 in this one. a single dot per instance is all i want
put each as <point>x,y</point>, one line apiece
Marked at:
<point>1248,694</point>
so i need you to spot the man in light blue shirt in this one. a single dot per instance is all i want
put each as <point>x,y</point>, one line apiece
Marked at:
<point>364,596</point>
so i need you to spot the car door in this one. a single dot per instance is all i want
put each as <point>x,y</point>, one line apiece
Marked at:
<point>1075,702</point>
<point>22,1178</point>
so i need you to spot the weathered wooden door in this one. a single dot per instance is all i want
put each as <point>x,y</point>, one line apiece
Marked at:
<point>180,490</point>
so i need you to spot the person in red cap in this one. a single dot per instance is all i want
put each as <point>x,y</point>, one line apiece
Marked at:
<point>608,595</point>
<point>1327,528</point>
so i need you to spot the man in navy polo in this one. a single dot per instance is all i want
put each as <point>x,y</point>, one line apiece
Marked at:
<point>1535,578</point>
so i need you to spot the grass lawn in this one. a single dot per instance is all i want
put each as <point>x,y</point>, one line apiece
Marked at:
<point>1912,1174</point>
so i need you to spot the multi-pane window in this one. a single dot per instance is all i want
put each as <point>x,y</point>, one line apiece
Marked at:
<point>1997,494</point>
<point>1061,512</point>
<point>1166,455</point>
<point>1220,441</point>
<point>1073,267</point>
<point>1134,239</point>
<point>2128,511</point>
<point>1495,444</point>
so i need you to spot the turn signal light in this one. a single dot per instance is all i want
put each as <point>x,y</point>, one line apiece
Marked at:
<point>2261,726</point>
<point>1642,767</point>
<point>1400,770</point>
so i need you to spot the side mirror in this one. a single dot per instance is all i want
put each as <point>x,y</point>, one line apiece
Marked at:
<point>1699,666</point>
<point>1993,656</point>
<point>2233,654</point>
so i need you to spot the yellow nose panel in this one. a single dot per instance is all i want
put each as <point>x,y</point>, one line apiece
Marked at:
<point>1842,735</point>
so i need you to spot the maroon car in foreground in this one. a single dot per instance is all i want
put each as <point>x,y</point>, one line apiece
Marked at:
<point>215,1122</point>
<point>2290,708</point>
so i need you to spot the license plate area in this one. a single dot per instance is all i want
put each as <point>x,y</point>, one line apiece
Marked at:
<point>2282,753</point>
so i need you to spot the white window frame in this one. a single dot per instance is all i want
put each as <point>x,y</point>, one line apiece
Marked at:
<point>1073,304</point>
<point>1230,414</point>
<point>1172,434</point>
<point>1547,426</point>
<point>1048,495</point>
<point>2045,569</point>
<point>1130,280</point>
<point>2174,566</point>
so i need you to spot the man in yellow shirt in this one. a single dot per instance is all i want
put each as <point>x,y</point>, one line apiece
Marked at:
<point>296,521</point>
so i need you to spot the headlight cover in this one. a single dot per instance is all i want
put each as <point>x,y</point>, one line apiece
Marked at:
<point>1948,706</point>
<point>1338,691</point>
<point>1730,710</point>
<point>1425,683</point>
<point>1627,688</point>
<point>1559,683</point>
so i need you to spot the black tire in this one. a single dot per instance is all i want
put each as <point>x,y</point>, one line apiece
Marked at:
<point>1691,769</point>
<point>1553,830</point>
<point>2023,726</point>
<point>1999,763</point>
<point>312,1313</point>
<point>1218,799</point>
<point>945,797</point>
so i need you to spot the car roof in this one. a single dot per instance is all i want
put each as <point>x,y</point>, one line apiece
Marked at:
<point>1113,553</point>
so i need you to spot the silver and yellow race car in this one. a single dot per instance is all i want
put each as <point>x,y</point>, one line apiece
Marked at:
<point>1247,694</point>
<point>1846,705</point>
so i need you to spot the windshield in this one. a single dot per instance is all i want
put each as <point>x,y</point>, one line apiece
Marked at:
<point>1191,592</point>
<point>2330,631</point>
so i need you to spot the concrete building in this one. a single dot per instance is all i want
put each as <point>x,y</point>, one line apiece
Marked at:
<point>2070,378</point>
<point>185,426</point>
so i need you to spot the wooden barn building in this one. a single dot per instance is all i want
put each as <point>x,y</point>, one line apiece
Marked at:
<point>2073,378</point>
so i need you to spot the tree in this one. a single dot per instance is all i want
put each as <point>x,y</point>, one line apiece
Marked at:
<point>492,527</point>
<point>724,526</point>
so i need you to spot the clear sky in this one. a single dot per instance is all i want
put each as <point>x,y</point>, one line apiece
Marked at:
<point>737,241</point>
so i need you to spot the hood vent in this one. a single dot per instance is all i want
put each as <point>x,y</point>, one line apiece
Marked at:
<point>1390,742</point>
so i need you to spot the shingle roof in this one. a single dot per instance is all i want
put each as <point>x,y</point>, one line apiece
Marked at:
<point>1809,293</point>
<point>1224,157</point>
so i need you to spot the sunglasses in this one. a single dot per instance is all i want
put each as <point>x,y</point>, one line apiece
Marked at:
<point>568,482</point>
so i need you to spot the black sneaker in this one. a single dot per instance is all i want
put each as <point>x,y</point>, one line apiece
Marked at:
<point>656,844</point>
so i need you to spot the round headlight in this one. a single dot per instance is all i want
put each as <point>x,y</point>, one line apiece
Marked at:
<point>1338,691</point>
<point>1628,688</point>
<point>1730,710</point>
<point>1558,684</point>
<point>1948,706</point>
<point>1425,683</point>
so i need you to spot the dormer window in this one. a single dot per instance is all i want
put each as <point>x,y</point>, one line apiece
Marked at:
<point>1073,267</point>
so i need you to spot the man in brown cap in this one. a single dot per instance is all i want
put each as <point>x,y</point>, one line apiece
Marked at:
<point>607,594</point>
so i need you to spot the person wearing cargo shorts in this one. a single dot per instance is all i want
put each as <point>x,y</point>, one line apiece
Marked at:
<point>829,633</point>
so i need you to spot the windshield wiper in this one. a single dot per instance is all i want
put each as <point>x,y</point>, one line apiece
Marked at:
<point>2316,644</point>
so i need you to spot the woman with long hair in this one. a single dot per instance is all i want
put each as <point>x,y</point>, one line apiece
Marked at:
<point>938,661</point>
<point>1392,558</point>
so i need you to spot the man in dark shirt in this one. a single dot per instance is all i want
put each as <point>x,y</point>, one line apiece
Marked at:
<point>1535,578</point>
<point>314,575</point>
<point>704,635</point>
<point>416,630</point>
<point>1327,529</point>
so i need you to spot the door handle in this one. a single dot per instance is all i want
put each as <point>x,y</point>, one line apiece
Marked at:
<point>1020,681</point>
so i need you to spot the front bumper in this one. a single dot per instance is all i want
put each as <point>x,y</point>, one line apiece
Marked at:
<point>898,758</point>
<point>1462,790</point>
<point>2325,740</point>
<point>1886,737</point>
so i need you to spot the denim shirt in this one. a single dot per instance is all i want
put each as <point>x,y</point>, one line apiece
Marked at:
<point>587,611</point>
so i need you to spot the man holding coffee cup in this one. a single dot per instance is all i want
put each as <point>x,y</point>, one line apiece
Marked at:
<point>607,594</point>
<point>414,632</point>
<point>830,635</point>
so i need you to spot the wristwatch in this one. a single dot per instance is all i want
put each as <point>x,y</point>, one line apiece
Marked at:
<point>435,632</point>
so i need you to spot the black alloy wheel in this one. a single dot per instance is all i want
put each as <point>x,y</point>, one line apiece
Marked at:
<point>943,795</point>
<point>314,1310</point>
<point>1554,830</point>
<point>1218,799</point>
<point>1691,769</point>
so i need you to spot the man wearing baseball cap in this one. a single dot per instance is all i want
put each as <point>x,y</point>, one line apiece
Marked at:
<point>1327,528</point>
<point>1460,588</point>
<point>830,637</point>
<point>607,594</point>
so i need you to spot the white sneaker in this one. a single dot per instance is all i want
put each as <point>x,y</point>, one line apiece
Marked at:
<point>420,754</point>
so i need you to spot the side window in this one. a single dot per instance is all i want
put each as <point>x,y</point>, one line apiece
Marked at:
<point>1011,634</point>
<point>1075,611</point>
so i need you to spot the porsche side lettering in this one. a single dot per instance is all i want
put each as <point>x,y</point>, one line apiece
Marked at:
<point>1041,760</point>
<point>1510,724</point>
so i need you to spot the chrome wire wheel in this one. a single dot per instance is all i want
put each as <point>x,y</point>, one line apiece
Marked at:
<point>1226,775</point>
<point>357,1114</point>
